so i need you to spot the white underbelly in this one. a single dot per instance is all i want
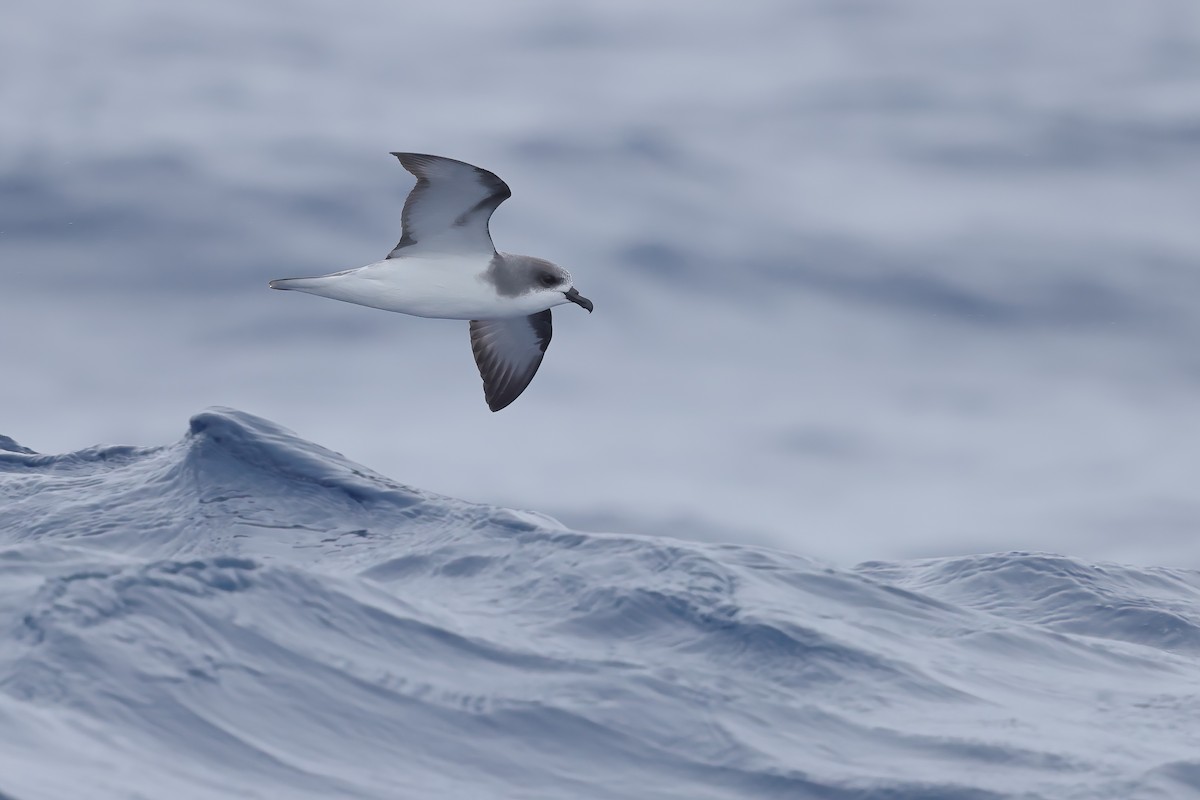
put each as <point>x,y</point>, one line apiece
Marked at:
<point>444,288</point>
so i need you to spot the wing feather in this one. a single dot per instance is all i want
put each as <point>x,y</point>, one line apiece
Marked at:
<point>449,208</point>
<point>508,353</point>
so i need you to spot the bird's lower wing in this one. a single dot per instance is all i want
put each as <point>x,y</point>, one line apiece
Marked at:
<point>508,353</point>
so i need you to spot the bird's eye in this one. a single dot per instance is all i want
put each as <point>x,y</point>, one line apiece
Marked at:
<point>548,279</point>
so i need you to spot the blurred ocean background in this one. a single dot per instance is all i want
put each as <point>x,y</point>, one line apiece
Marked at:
<point>872,280</point>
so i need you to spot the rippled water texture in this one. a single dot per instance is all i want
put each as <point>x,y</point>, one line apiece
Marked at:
<point>244,613</point>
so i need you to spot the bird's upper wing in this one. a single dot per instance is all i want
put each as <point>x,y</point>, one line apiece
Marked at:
<point>508,353</point>
<point>449,208</point>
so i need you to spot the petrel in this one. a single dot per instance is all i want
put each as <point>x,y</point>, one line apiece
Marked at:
<point>445,266</point>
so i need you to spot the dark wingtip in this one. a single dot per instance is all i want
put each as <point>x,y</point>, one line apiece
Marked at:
<point>499,400</point>
<point>500,397</point>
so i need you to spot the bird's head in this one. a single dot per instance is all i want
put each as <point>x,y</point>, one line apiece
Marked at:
<point>540,282</point>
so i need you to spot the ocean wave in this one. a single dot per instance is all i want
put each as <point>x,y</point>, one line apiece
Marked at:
<point>246,613</point>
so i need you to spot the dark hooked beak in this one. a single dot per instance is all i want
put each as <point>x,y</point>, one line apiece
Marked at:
<point>575,297</point>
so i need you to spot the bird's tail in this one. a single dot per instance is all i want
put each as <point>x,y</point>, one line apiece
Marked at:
<point>334,285</point>
<point>300,284</point>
